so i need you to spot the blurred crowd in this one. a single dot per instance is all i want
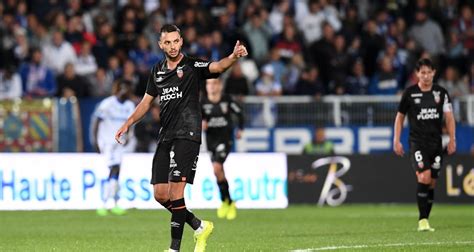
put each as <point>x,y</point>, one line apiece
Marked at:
<point>296,47</point>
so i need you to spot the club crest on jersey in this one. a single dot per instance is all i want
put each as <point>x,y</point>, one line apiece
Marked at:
<point>180,72</point>
<point>224,107</point>
<point>436,95</point>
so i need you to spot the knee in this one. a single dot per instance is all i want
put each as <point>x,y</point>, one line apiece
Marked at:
<point>424,178</point>
<point>161,197</point>
<point>218,169</point>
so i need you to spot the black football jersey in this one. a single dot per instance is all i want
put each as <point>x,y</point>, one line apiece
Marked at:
<point>219,117</point>
<point>425,111</point>
<point>178,93</point>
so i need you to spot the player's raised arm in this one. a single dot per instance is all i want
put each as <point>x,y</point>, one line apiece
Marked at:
<point>397,131</point>
<point>223,64</point>
<point>138,114</point>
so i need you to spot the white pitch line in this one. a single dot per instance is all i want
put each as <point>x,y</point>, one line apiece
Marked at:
<point>381,245</point>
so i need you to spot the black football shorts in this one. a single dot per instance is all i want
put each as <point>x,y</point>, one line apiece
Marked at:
<point>219,150</point>
<point>175,161</point>
<point>424,157</point>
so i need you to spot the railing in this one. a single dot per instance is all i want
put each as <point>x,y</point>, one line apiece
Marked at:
<point>336,110</point>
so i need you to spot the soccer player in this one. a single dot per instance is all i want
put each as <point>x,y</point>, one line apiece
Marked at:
<point>176,81</point>
<point>111,113</point>
<point>217,111</point>
<point>426,105</point>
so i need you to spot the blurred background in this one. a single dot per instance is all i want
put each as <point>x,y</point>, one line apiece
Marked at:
<point>317,71</point>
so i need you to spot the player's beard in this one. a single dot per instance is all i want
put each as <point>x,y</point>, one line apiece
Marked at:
<point>173,58</point>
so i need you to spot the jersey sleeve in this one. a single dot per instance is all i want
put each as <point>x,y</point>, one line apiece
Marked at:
<point>447,107</point>
<point>101,110</point>
<point>237,110</point>
<point>151,85</point>
<point>202,67</point>
<point>404,103</point>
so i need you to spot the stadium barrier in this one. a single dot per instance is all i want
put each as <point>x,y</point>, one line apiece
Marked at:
<point>76,181</point>
<point>382,178</point>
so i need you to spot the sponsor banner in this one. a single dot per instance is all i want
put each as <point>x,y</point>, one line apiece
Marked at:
<point>347,140</point>
<point>77,181</point>
<point>382,178</point>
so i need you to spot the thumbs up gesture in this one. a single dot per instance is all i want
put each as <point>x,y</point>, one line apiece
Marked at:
<point>239,50</point>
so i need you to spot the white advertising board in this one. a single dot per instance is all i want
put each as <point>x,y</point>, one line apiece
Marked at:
<point>76,181</point>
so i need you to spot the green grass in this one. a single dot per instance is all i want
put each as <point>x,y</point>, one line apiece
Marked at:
<point>359,227</point>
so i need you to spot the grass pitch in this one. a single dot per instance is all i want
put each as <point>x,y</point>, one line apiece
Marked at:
<point>298,228</point>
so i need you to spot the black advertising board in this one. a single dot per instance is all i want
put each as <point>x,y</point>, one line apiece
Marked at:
<point>382,178</point>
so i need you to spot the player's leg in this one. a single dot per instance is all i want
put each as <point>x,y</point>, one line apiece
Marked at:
<point>160,171</point>
<point>218,157</point>
<point>435,171</point>
<point>185,154</point>
<point>420,163</point>
<point>107,152</point>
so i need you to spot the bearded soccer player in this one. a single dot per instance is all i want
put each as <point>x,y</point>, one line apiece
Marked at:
<point>217,111</point>
<point>426,106</point>
<point>176,82</point>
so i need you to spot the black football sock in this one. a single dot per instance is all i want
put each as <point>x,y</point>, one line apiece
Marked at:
<point>191,219</point>
<point>178,217</point>
<point>224,190</point>
<point>430,200</point>
<point>422,200</point>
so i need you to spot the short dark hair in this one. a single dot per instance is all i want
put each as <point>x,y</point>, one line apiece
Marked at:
<point>424,62</point>
<point>170,28</point>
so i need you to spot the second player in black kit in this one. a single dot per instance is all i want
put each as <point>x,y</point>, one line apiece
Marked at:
<point>427,107</point>
<point>218,113</point>
<point>175,82</point>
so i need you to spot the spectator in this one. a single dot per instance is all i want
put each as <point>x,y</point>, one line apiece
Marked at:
<point>58,53</point>
<point>321,52</point>
<point>372,44</point>
<point>10,84</point>
<point>319,145</point>
<point>309,83</point>
<point>288,43</point>
<point>268,85</point>
<point>104,46</point>
<point>21,48</point>
<point>428,34</point>
<point>258,33</point>
<point>384,81</point>
<point>453,83</point>
<point>279,10</point>
<point>357,82</point>
<point>236,84</point>
<point>339,61</point>
<point>142,55</point>
<point>465,26</point>
<point>101,83</point>
<point>37,79</point>
<point>85,64</point>
<point>294,69</point>
<point>70,84</point>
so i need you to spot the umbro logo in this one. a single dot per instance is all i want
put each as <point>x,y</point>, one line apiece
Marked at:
<point>176,173</point>
<point>175,224</point>
<point>201,64</point>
